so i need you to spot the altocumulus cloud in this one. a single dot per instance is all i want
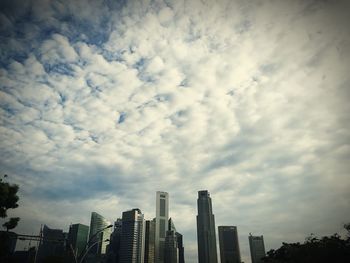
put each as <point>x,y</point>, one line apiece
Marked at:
<point>105,102</point>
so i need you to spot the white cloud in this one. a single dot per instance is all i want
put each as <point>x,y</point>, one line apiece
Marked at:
<point>245,99</point>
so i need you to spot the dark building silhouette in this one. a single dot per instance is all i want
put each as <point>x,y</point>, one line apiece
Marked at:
<point>77,237</point>
<point>52,246</point>
<point>206,229</point>
<point>150,241</point>
<point>8,242</point>
<point>114,244</point>
<point>22,256</point>
<point>171,251</point>
<point>180,247</point>
<point>257,248</point>
<point>229,246</point>
<point>132,237</point>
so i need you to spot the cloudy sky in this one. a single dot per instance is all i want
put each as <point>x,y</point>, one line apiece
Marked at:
<point>102,103</point>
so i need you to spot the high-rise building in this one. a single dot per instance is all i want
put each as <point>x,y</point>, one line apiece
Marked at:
<point>149,240</point>
<point>206,229</point>
<point>77,237</point>
<point>173,240</point>
<point>52,245</point>
<point>180,246</point>
<point>171,251</point>
<point>257,248</point>
<point>133,237</point>
<point>162,215</point>
<point>229,246</point>
<point>114,243</point>
<point>96,236</point>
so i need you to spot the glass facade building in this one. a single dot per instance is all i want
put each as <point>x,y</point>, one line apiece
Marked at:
<point>97,223</point>
<point>150,240</point>
<point>132,237</point>
<point>229,246</point>
<point>78,237</point>
<point>257,248</point>
<point>162,215</point>
<point>206,238</point>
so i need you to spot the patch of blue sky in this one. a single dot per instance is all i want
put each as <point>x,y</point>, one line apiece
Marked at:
<point>122,117</point>
<point>140,64</point>
<point>59,68</point>
<point>112,56</point>
<point>163,97</point>
<point>8,110</point>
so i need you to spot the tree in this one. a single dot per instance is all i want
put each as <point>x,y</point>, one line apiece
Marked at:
<point>8,200</point>
<point>314,250</point>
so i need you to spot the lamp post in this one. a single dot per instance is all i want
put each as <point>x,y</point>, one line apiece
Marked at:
<point>101,241</point>
<point>87,248</point>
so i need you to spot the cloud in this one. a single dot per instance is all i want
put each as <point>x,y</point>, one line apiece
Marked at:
<point>104,103</point>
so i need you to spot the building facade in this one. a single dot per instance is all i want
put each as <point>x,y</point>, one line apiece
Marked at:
<point>132,237</point>
<point>162,215</point>
<point>229,246</point>
<point>52,246</point>
<point>206,238</point>
<point>96,237</point>
<point>114,243</point>
<point>171,251</point>
<point>150,240</point>
<point>257,248</point>
<point>78,237</point>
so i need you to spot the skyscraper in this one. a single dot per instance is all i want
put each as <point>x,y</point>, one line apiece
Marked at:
<point>133,237</point>
<point>180,247</point>
<point>229,246</point>
<point>257,248</point>
<point>114,243</point>
<point>171,252</point>
<point>52,245</point>
<point>149,240</point>
<point>162,215</point>
<point>206,229</point>
<point>77,237</point>
<point>98,223</point>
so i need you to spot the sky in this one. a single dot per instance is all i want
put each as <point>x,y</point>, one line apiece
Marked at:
<point>103,103</point>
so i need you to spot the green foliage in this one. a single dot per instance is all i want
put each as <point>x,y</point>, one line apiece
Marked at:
<point>8,200</point>
<point>11,224</point>
<point>326,249</point>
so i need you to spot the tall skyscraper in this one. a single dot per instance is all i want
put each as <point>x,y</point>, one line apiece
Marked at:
<point>78,237</point>
<point>150,240</point>
<point>171,251</point>
<point>206,229</point>
<point>98,223</point>
<point>180,246</point>
<point>162,215</point>
<point>52,245</point>
<point>257,248</point>
<point>133,237</point>
<point>229,246</point>
<point>114,243</point>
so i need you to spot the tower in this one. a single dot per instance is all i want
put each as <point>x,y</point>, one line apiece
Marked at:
<point>149,241</point>
<point>77,237</point>
<point>206,229</point>
<point>229,246</point>
<point>97,223</point>
<point>132,237</point>
<point>162,215</point>
<point>257,248</point>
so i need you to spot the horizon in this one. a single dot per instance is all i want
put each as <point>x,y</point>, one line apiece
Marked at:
<point>102,103</point>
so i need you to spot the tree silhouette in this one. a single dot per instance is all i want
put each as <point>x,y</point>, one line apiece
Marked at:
<point>314,250</point>
<point>8,200</point>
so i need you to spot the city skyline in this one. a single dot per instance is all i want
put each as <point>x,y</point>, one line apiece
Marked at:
<point>103,103</point>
